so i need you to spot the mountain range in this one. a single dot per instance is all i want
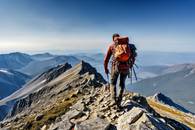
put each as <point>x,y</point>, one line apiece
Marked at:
<point>39,63</point>
<point>44,64</point>
<point>15,60</point>
<point>75,97</point>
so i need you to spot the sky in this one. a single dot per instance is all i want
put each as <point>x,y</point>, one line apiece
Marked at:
<point>87,25</point>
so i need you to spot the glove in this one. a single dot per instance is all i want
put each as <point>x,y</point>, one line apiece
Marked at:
<point>106,71</point>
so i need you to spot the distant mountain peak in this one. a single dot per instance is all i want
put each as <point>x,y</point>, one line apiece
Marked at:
<point>46,54</point>
<point>14,60</point>
<point>16,53</point>
<point>160,97</point>
<point>86,67</point>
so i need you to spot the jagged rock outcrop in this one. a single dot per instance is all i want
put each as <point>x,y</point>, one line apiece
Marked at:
<point>78,99</point>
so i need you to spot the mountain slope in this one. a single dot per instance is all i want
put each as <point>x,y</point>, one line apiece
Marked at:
<point>179,85</point>
<point>33,85</point>
<point>37,83</point>
<point>14,60</point>
<point>78,99</point>
<point>11,81</point>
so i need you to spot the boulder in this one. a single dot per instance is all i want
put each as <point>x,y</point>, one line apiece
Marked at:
<point>138,119</point>
<point>93,124</point>
<point>65,123</point>
<point>130,117</point>
<point>44,127</point>
<point>148,122</point>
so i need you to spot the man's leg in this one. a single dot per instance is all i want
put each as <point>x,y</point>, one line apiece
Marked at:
<point>114,77</point>
<point>123,77</point>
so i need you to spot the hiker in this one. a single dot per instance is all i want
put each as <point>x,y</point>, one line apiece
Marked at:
<point>123,57</point>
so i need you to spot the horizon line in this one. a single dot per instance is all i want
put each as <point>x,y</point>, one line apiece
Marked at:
<point>92,51</point>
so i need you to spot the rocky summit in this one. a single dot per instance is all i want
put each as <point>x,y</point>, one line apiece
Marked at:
<point>78,98</point>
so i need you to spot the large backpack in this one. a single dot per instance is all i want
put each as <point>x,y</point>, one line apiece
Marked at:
<point>122,50</point>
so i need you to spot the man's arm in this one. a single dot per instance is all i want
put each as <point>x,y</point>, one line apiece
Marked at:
<point>106,59</point>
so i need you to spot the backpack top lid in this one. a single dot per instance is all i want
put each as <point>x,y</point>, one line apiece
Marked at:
<point>122,40</point>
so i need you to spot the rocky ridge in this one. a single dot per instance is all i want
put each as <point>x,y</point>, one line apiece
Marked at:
<point>78,99</point>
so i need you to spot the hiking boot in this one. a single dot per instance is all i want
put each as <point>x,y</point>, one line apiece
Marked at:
<point>119,105</point>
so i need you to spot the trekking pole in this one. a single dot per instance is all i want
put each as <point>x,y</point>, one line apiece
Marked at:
<point>134,73</point>
<point>131,76</point>
<point>136,66</point>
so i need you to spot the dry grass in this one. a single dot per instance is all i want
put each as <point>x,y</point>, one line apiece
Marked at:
<point>59,108</point>
<point>51,114</point>
<point>172,113</point>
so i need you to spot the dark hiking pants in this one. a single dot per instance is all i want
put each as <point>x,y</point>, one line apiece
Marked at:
<point>114,77</point>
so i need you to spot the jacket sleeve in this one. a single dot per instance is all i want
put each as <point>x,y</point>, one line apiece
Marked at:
<point>107,57</point>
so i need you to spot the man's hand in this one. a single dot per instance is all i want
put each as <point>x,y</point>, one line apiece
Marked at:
<point>106,71</point>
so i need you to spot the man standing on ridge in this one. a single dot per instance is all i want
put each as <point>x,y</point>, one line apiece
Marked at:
<point>123,57</point>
